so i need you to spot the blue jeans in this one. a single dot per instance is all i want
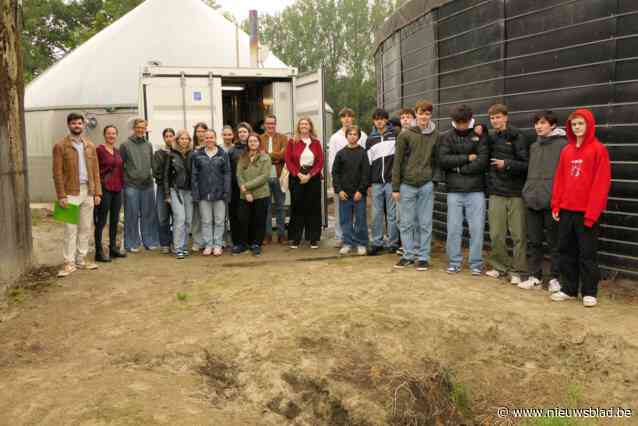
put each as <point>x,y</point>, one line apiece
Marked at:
<point>382,196</point>
<point>182,205</point>
<point>354,223</point>
<point>163,217</point>
<point>416,206</point>
<point>140,214</point>
<point>474,205</point>
<point>278,198</point>
<point>213,217</point>
<point>196,227</point>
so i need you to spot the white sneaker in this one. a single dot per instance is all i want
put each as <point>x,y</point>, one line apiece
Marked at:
<point>589,301</point>
<point>207,251</point>
<point>68,269</point>
<point>560,297</point>
<point>515,279</point>
<point>152,248</point>
<point>134,249</point>
<point>166,250</point>
<point>196,247</point>
<point>217,251</point>
<point>531,284</point>
<point>345,250</point>
<point>493,273</point>
<point>362,251</point>
<point>83,264</point>
<point>554,286</point>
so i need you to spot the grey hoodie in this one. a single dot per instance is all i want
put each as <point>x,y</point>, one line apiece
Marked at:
<point>543,160</point>
<point>137,155</point>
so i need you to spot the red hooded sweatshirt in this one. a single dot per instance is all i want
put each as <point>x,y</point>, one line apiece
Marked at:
<point>583,176</point>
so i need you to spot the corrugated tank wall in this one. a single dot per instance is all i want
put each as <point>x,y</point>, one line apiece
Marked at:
<point>530,55</point>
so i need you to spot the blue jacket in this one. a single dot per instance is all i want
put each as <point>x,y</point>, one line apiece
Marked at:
<point>210,176</point>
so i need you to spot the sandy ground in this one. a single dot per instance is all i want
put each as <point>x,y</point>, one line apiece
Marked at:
<point>302,338</point>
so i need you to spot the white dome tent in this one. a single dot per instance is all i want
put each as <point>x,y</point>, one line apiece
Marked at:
<point>101,77</point>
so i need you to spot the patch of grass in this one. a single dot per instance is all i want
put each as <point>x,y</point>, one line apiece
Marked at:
<point>556,421</point>
<point>182,297</point>
<point>459,394</point>
<point>574,394</point>
<point>17,295</point>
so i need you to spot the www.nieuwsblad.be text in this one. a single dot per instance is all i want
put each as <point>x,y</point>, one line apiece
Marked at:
<point>589,412</point>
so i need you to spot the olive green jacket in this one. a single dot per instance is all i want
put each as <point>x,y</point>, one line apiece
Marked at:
<point>255,176</point>
<point>414,157</point>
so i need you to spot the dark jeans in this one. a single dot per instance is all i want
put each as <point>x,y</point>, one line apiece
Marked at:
<point>252,219</point>
<point>352,216</point>
<point>164,217</point>
<point>541,227</point>
<point>305,209</point>
<point>109,207</point>
<point>236,233</point>
<point>578,245</point>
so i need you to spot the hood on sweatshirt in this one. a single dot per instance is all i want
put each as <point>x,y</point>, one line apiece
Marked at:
<point>590,132</point>
<point>388,128</point>
<point>428,130</point>
<point>464,132</point>
<point>557,132</point>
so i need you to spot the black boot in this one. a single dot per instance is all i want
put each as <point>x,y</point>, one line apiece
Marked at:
<point>115,253</point>
<point>100,256</point>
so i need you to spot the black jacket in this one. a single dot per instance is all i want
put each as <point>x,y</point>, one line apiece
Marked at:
<point>159,163</point>
<point>509,145</point>
<point>233,154</point>
<point>543,161</point>
<point>177,172</point>
<point>380,149</point>
<point>351,171</point>
<point>210,176</point>
<point>463,175</point>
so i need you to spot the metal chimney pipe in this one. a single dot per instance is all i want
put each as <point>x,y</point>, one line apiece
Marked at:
<point>254,38</point>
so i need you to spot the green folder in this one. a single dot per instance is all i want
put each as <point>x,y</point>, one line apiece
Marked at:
<point>70,214</point>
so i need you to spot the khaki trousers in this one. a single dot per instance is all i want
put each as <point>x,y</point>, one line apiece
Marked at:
<point>508,214</point>
<point>76,237</point>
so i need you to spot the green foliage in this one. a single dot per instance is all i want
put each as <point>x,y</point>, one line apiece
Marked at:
<point>335,34</point>
<point>52,28</point>
<point>556,421</point>
<point>181,296</point>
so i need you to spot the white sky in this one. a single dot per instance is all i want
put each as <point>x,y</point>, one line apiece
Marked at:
<point>240,8</point>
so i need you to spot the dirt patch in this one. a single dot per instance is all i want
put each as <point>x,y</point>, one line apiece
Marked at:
<point>303,338</point>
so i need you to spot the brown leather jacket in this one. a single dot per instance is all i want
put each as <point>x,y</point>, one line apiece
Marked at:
<point>66,175</point>
<point>279,143</point>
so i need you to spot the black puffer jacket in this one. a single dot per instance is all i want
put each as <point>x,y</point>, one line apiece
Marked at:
<point>177,172</point>
<point>463,175</point>
<point>159,164</point>
<point>509,145</point>
<point>380,149</point>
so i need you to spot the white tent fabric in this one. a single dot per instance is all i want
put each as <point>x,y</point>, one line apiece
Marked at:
<point>105,70</point>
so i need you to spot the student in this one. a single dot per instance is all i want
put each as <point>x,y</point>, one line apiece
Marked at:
<point>413,188</point>
<point>274,144</point>
<point>228,138</point>
<point>537,193</point>
<point>112,182</point>
<point>199,131</point>
<point>579,196</point>
<point>464,156</point>
<point>177,191</point>
<point>210,189</point>
<point>336,143</point>
<point>253,172</point>
<point>350,178</point>
<point>509,156</point>
<point>407,117</point>
<point>163,208</point>
<point>380,147</point>
<point>76,175</point>
<point>140,213</point>
<point>304,159</point>
<point>243,131</point>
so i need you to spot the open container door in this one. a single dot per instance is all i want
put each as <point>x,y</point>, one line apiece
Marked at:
<point>179,101</point>
<point>310,101</point>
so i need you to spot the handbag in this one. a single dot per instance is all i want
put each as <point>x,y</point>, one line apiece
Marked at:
<point>284,178</point>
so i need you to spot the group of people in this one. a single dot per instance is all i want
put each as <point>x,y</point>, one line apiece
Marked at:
<point>552,191</point>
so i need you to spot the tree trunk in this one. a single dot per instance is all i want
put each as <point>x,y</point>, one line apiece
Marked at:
<point>15,214</point>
